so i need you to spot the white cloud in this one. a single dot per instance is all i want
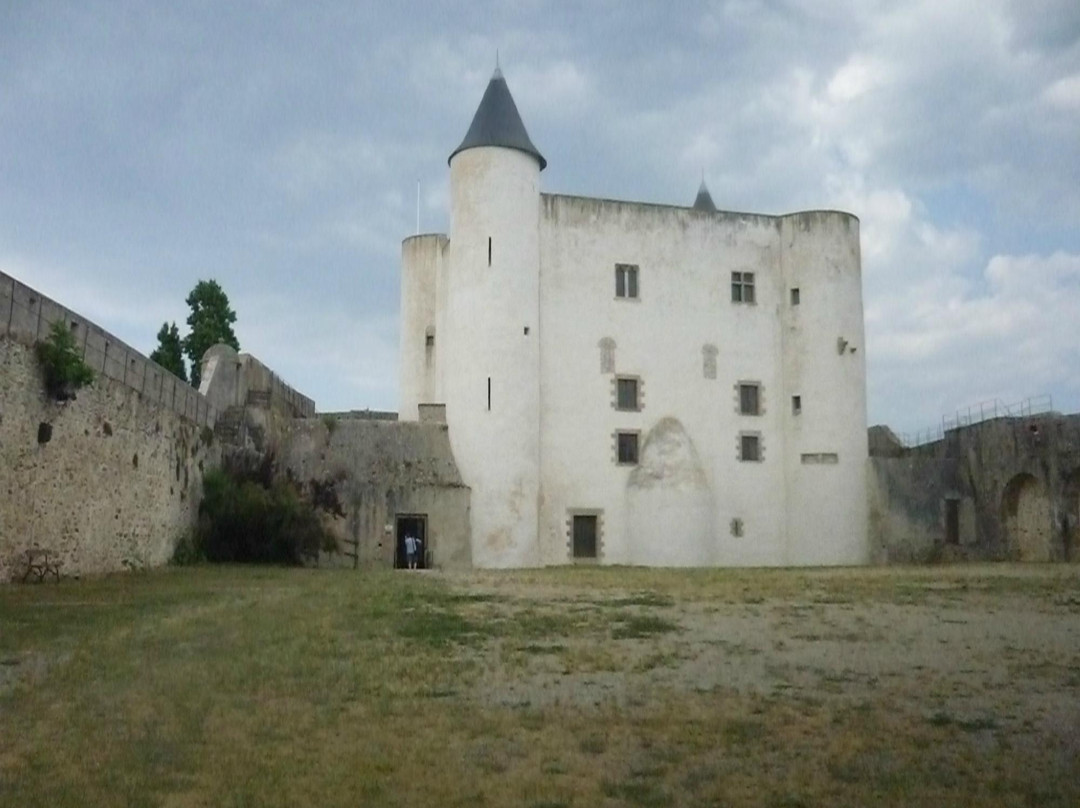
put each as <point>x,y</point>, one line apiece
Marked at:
<point>1064,93</point>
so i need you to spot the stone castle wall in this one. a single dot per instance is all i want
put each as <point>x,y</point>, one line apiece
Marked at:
<point>107,481</point>
<point>27,315</point>
<point>1004,489</point>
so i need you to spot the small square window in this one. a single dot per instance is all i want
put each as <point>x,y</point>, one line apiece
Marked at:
<point>626,280</point>
<point>750,448</point>
<point>795,296</point>
<point>627,447</point>
<point>796,405</point>
<point>749,399</point>
<point>742,287</point>
<point>626,394</point>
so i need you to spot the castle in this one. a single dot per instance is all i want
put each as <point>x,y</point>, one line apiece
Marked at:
<point>582,381</point>
<point>632,383</point>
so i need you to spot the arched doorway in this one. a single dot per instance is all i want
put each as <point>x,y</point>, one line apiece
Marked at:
<point>1071,525</point>
<point>1026,514</point>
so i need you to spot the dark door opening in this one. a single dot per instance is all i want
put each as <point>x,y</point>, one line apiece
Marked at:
<point>416,525</point>
<point>952,521</point>
<point>584,536</point>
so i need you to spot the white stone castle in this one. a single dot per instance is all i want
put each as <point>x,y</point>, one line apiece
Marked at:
<point>631,383</point>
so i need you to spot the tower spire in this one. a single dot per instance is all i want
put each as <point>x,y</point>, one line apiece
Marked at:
<point>497,121</point>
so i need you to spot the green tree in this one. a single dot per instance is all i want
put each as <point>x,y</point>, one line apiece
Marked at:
<point>210,321</point>
<point>170,350</point>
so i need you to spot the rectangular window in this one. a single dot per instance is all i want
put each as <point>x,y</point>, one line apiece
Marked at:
<point>742,287</point>
<point>820,458</point>
<point>796,405</point>
<point>749,399</point>
<point>489,394</point>
<point>626,280</point>
<point>750,448</point>
<point>584,536</point>
<point>627,448</point>
<point>489,250</point>
<point>626,394</point>
<point>795,296</point>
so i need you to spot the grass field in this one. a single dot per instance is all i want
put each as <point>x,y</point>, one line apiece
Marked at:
<point>563,687</point>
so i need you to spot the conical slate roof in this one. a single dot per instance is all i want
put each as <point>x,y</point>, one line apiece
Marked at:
<point>703,201</point>
<point>497,123</point>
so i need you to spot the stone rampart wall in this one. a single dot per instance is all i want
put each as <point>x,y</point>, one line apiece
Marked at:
<point>27,315</point>
<point>107,481</point>
<point>1003,489</point>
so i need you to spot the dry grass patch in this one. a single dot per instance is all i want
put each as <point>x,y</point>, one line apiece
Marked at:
<point>566,687</point>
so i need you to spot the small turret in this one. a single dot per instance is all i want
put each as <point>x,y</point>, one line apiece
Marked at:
<point>703,201</point>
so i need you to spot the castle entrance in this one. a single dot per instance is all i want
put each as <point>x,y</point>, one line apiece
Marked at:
<point>416,525</point>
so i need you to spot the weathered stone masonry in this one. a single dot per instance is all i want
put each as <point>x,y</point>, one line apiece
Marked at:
<point>1004,489</point>
<point>108,481</point>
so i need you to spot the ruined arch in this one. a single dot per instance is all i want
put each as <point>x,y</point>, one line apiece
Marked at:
<point>1026,516</point>
<point>1070,524</point>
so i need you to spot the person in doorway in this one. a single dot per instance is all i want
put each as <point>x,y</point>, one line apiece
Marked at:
<point>410,551</point>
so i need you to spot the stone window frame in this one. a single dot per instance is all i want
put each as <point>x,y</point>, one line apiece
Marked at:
<point>599,514</point>
<point>760,447</point>
<point>639,385</point>
<point>742,288</point>
<point>630,277</point>
<point>615,447</point>
<point>796,405</point>
<point>739,385</point>
<point>795,296</point>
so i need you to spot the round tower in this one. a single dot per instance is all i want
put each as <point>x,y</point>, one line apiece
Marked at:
<point>824,370</point>
<point>489,355</point>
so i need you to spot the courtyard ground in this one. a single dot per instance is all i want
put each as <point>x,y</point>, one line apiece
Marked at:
<point>560,687</point>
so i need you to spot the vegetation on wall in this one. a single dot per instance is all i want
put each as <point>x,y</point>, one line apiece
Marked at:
<point>245,517</point>
<point>170,351</point>
<point>65,370</point>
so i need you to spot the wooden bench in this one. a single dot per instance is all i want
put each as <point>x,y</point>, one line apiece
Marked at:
<point>39,563</point>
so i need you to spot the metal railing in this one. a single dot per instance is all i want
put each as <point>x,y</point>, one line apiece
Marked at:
<point>977,413</point>
<point>25,312</point>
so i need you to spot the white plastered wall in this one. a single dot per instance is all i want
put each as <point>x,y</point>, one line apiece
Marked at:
<point>486,309</point>
<point>685,259</point>
<point>825,365</point>
<point>421,260</point>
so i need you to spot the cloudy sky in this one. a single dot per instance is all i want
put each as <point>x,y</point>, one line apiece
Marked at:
<point>276,147</point>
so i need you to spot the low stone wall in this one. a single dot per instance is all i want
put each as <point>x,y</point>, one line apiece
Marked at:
<point>107,481</point>
<point>231,379</point>
<point>379,470</point>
